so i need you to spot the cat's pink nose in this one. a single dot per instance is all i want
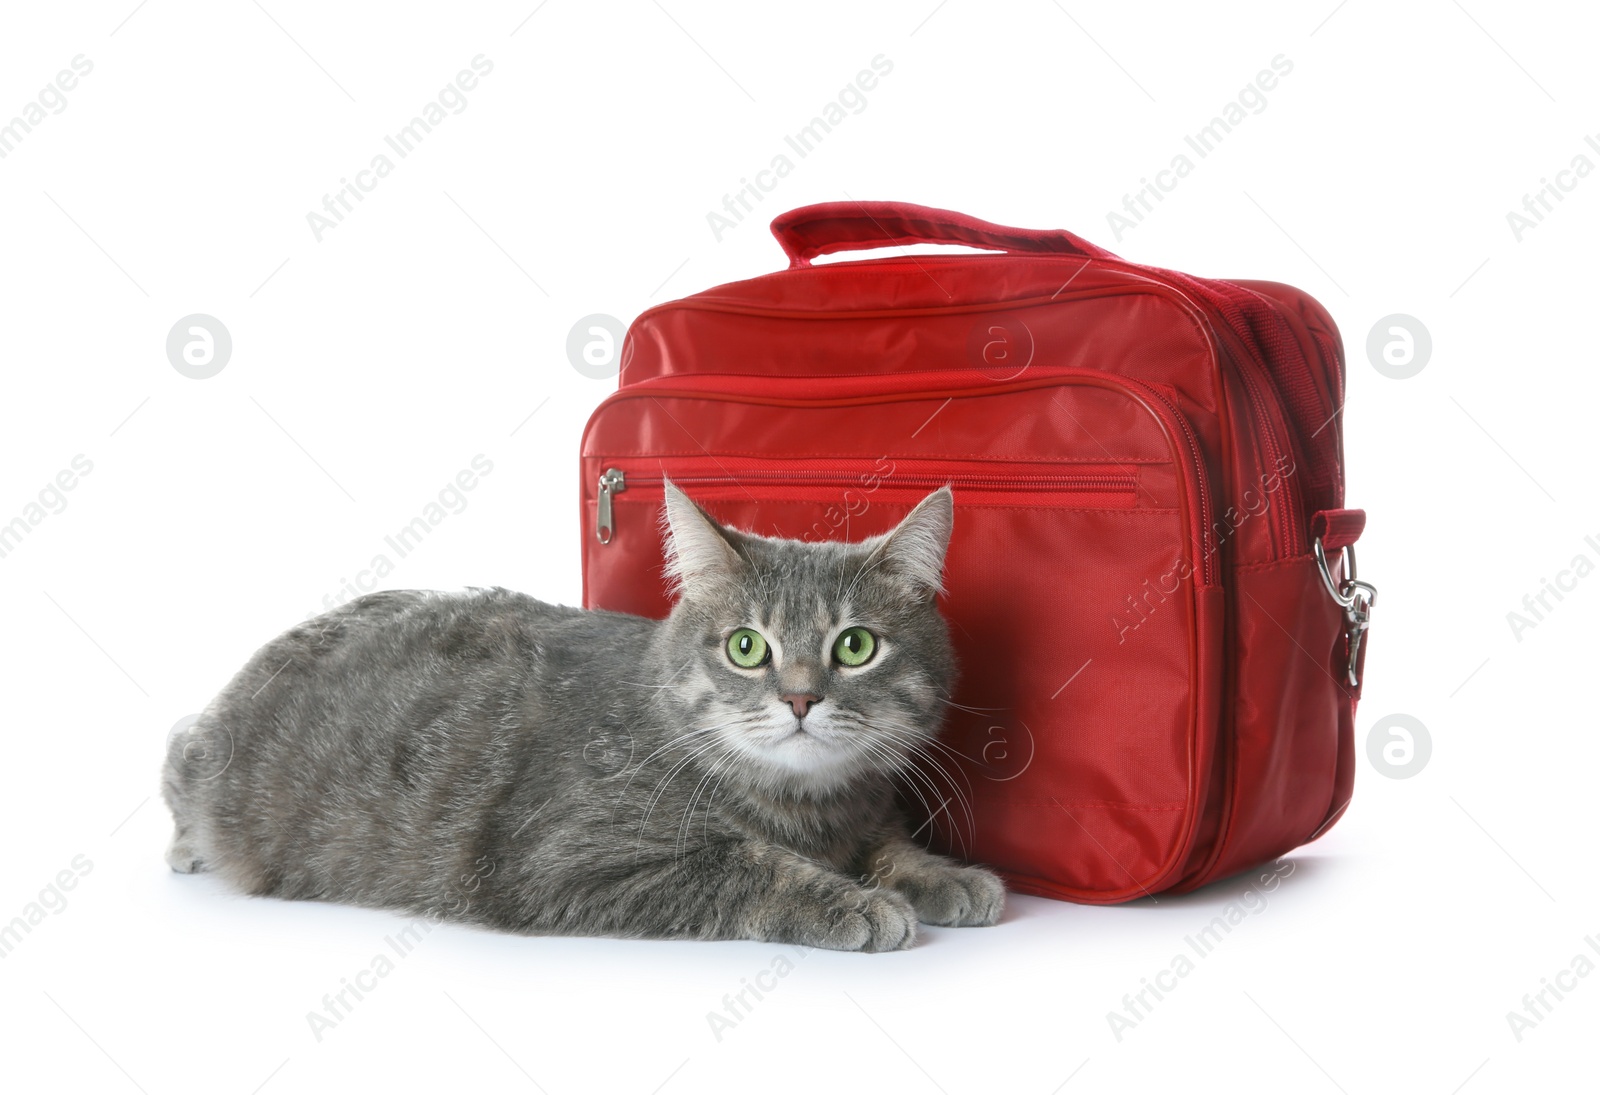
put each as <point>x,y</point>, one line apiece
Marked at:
<point>801,702</point>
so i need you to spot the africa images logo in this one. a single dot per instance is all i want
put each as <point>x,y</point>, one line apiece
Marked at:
<point>452,99</point>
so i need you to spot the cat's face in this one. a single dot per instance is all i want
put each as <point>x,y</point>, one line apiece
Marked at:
<point>806,665</point>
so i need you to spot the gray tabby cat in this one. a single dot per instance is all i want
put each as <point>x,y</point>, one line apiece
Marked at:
<point>725,773</point>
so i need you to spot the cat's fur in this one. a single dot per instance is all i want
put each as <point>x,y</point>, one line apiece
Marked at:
<point>489,758</point>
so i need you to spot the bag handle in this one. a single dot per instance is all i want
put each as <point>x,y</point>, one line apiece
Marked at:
<point>814,230</point>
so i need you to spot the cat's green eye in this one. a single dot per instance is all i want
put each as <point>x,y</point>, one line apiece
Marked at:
<point>855,646</point>
<point>747,649</point>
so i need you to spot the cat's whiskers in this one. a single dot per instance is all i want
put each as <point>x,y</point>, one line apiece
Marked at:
<point>915,774</point>
<point>738,721</point>
<point>895,762</point>
<point>917,745</point>
<point>906,763</point>
<point>898,764</point>
<point>971,710</point>
<point>963,797</point>
<point>666,781</point>
<point>720,764</point>
<point>711,802</point>
<point>674,742</point>
<point>683,737</point>
<point>955,754</point>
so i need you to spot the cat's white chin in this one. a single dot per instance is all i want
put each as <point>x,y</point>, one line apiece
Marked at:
<point>811,756</point>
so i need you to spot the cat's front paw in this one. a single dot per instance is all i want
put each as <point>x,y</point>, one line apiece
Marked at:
<point>882,920</point>
<point>959,897</point>
<point>858,920</point>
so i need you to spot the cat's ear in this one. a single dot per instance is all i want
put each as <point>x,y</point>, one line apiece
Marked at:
<point>915,548</point>
<point>698,549</point>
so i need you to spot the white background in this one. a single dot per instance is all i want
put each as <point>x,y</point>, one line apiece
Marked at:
<point>372,366</point>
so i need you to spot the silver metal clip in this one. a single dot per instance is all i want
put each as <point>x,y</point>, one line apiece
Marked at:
<point>1356,598</point>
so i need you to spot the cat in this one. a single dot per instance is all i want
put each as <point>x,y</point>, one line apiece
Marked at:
<point>728,772</point>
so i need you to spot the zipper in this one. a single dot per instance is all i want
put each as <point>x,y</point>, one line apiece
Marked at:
<point>1164,407</point>
<point>1268,409</point>
<point>1154,399</point>
<point>612,481</point>
<point>616,480</point>
<point>1272,428</point>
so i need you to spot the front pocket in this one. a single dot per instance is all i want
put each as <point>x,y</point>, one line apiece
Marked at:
<point>1081,589</point>
<point>847,488</point>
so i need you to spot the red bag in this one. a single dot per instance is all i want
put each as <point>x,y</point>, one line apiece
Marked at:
<point>1151,581</point>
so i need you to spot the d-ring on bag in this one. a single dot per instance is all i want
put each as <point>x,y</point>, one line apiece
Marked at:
<point>1151,585</point>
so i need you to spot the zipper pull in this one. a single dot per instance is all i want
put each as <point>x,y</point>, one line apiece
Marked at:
<point>612,481</point>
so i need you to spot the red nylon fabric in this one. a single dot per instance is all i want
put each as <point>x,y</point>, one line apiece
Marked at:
<point>1338,528</point>
<point>1153,682</point>
<point>851,226</point>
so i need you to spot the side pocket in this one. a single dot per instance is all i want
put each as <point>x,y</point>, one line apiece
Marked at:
<point>1291,727</point>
